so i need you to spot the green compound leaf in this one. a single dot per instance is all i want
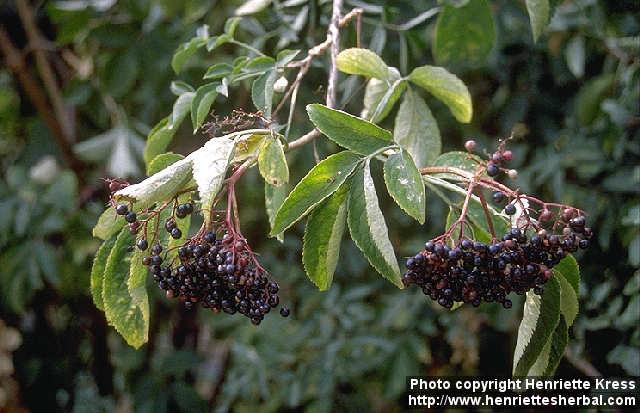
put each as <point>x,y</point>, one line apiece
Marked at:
<point>590,98</point>
<point>262,91</point>
<point>218,71</point>
<point>368,228</point>
<point>405,185</point>
<point>464,35</point>
<point>570,270</point>
<point>201,103</point>
<point>457,159</point>
<point>381,95</point>
<point>108,224</point>
<point>388,100</point>
<point>126,314</point>
<point>98,271</point>
<point>274,196</point>
<point>272,163</point>
<point>539,321</point>
<point>322,237</point>
<point>210,165</point>
<point>539,14</point>
<point>416,130</point>
<point>181,107</point>
<point>557,345</point>
<point>158,140</point>
<point>447,88</point>
<point>362,62</point>
<point>158,187</point>
<point>321,181</point>
<point>162,161</point>
<point>185,51</point>
<point>349,131</point>
<point>568,298</point>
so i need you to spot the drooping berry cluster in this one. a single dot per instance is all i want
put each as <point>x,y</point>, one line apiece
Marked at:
<point>473,272</point>
<point>219,273</point>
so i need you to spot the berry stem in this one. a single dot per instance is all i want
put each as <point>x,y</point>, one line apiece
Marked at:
<point>487,215</point>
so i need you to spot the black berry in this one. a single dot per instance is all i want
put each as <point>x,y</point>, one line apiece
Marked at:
<point>493,169</point>
<point>142,244</point>
<point>510,209</point>
<point>122,209</point>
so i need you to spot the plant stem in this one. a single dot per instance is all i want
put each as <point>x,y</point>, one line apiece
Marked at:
<point>44,68</point>
<point>487,215</point>
<point>15,62</point>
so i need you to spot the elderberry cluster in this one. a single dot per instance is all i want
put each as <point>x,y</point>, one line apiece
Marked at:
<point>473,272</point>
<point>218,273</point>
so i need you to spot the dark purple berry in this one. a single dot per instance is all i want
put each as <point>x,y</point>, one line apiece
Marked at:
<point>130,217</point>
<point>493,169</point>
<point>510,209</point>
<point>122,209</point>
<point>142,244</point>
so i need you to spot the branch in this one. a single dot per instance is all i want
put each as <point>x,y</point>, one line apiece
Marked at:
<point>44,68</point>
<point>334,34</point>
<point>14,61</point>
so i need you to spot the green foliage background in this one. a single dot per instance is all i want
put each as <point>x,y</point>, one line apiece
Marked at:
<point>571,98</point>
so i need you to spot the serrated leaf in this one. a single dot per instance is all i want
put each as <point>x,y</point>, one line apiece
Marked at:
<point>285,57</point>
<point>363,62</point>
<point>217,71</point>
<point>570,270</point>
<point>98,271</point>
<point>405,185</point>
<point>447,88</point>
<point>248,145</point>
<point>185,51</point>
<point>262,91</point>
<point>162,161</point>
<point>557,345</point>
<point>158,139</point>
<point>457,159</point>
<point>251,7</point>
<point>590,97</point>
<point>158,187</point>
<point>321,181</point>
<point>388,100</point>
<point>416,130</point>
<point>374,93</point>
<point>464,35</point>
<point>539,15</point>
<point>272,163</point>
<point>368,228</point>
<point>201,103</point>
<point>136,286</point>
<point>322,237</point>
<point>210,165</point>
<point>108,224</point>
<point>274,196</point>
<point>568,298</point>
<point>231,25</point>
<point>260,64</point>
<point>122,312</point>
<point>179,87</point>
<point>539,321</point>
<point>217,41</point>
<point>349,131</point>
<point>180,109</point>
